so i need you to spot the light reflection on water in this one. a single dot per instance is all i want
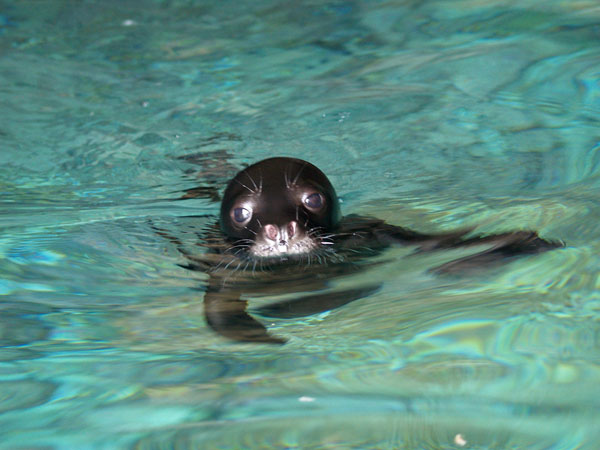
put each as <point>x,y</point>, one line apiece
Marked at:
<point>433,115</point>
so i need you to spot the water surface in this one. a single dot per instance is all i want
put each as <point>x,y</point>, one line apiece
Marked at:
<point>433,115</point>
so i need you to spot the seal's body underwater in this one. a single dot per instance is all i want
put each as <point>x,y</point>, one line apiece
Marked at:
<point>281,231</point>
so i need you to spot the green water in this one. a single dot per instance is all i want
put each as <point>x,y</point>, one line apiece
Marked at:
<point>432,115</point>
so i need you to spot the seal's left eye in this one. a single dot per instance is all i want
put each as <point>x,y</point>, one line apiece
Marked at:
<point>313,201</point>
<point>241,215</point>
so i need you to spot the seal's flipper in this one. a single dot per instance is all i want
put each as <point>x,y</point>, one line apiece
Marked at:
<point>426,242</point>
<point>314,304</point>
<point>226,314</point>
<point>357,231</point>
<point>503,246</point>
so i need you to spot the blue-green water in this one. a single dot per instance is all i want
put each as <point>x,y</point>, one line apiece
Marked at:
<point>433,115</point>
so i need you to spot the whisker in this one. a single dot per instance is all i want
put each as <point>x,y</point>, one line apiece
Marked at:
<point>244,240</point>
<point>236,269</point>
<point>327,238</point>
<point>298,174</point>
<point>236,246</point>
<point>253,182</point>
<point>246,266</point>
<point>251,231</point>
<point>228,264</point>
<point>243,185</point>
<point>314,230</point>
<point>217,266</point>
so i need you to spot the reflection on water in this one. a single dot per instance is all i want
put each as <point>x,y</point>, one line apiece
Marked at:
<point>432,115</point>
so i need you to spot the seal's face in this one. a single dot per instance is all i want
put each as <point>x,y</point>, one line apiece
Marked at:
<point>279,207</point>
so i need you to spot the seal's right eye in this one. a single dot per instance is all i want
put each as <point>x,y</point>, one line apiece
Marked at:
<point>241,215</point>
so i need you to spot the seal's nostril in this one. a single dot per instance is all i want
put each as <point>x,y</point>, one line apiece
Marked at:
<point>291,229</point>
<point>271,231</point>
<point>282,242</point>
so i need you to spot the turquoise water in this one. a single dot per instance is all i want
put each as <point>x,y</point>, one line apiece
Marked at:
<point>432,115</point>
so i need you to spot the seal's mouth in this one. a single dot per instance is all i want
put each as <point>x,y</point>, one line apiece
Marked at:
<point>264,247</point>
<point>282,240</point>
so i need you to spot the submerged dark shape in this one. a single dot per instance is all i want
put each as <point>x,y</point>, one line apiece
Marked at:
<point>281,232</point>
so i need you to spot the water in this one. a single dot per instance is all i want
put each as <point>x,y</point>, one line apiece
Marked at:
<point>433,115</point>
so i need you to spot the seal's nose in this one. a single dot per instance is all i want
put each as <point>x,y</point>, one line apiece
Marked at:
<point>281,234</point>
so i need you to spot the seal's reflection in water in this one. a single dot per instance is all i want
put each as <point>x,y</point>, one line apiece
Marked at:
<point>280,232</point>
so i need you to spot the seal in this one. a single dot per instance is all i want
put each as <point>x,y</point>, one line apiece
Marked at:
<point>280,231</point>
<point>279,207</point>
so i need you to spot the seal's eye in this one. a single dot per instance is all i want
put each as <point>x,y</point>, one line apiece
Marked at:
<point>314,201</point>
<point>241,215</point>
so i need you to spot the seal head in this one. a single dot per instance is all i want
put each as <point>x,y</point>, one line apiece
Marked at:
<point>278,207</point>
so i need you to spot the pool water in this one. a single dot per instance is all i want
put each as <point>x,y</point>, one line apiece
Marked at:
<point>433,115</point>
